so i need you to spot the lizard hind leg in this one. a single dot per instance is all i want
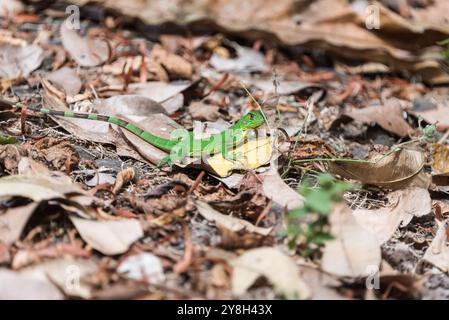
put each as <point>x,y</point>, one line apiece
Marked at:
<point>165,161</point>
<point>177,154</point>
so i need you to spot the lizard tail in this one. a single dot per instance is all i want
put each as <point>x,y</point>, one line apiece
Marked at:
<point>161,143</point>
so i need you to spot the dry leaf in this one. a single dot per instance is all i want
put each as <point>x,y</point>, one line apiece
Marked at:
<point>440,163</point>
<point>438,251</point>
<point>67,78</point>
<point>204,112</point>
<point>123,177</point>
<point>321,284</point>
<point>398,170</point>
<point>109,237</point>
<point>271,263</point>
<point>228,222</point>
<point>250,155</point>
<point>38,188</point>
<point>402,206</point>
<point>335,26</point>
<point>438,115</point>
<point>159,125</point>
<point>13,221</point>
<point>127,105</point>
<point>175,65</point>
<point>157,90</point>
<point>247,60</point>
<point>19,61</point>
<point>89,130</point>
<point>354,252</point>
<point>389,117</point>
<point>16,286</point>
<point>277,190</point>
<point>241,240</point>
<point>68,274</point>
<point>284,87</point>
<point>10,8</point>
<point>142,267</point>
<point>85,51</point>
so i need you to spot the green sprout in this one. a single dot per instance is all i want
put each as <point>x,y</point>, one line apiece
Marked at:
<point>307,227</point>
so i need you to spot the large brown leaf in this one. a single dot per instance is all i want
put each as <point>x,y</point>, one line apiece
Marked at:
<point>395,171</point>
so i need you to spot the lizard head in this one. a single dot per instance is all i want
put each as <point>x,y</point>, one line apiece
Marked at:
<point>251,120</point>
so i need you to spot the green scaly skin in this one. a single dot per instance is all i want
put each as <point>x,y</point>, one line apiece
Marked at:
<point>183,143</point>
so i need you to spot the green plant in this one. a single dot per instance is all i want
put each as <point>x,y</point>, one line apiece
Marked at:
<point>307,227</point>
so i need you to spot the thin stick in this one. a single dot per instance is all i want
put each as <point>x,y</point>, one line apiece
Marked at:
<point>310,103</point>
<point>197,182</point>
<point>334,160</point>
<point>257,103</point>
<point>396,148</point>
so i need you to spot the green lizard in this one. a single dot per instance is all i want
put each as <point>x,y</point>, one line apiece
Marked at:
<point>182,142</point>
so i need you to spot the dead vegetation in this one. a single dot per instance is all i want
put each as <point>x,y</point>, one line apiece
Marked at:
<point>85,213</point>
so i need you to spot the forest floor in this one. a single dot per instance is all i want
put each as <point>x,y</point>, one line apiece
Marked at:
<point>342,196</point>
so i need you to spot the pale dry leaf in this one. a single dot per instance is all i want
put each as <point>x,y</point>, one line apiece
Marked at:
<point>67,273</point>
<point>109,237</point>
<point>354,252</point>
<point>127,105</point>
<point>19,61</point>
<point>15,286</point>
<point>66,78</point>
<point>205,112</point>
<point>28,166</point>
<point>157,90</point>
<point>283,87</point>
<point>389,117</point>
<point>321,284</point>
<point>277,190</point>
<point>247,60</point>
<point>86,52</point>
<point>438,115</point>
<point>438,251</point>
<point>142,267</point>
<point>402,206</point>
<point>280,270</point>
<point>38,188</point>
<point>433,16</point>
<point>13,221</point>
<point>100,178</point>
<point>10,8</point>
<point>231,223</point>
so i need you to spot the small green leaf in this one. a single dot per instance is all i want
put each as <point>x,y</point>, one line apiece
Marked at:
<point>321,237</point>
<point>293,228</point>
<point>326,180</point>
<point>319,201</point>
<point>296,213</point>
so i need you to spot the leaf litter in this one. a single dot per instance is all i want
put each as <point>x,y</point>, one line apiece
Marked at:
<point>343,100</point>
